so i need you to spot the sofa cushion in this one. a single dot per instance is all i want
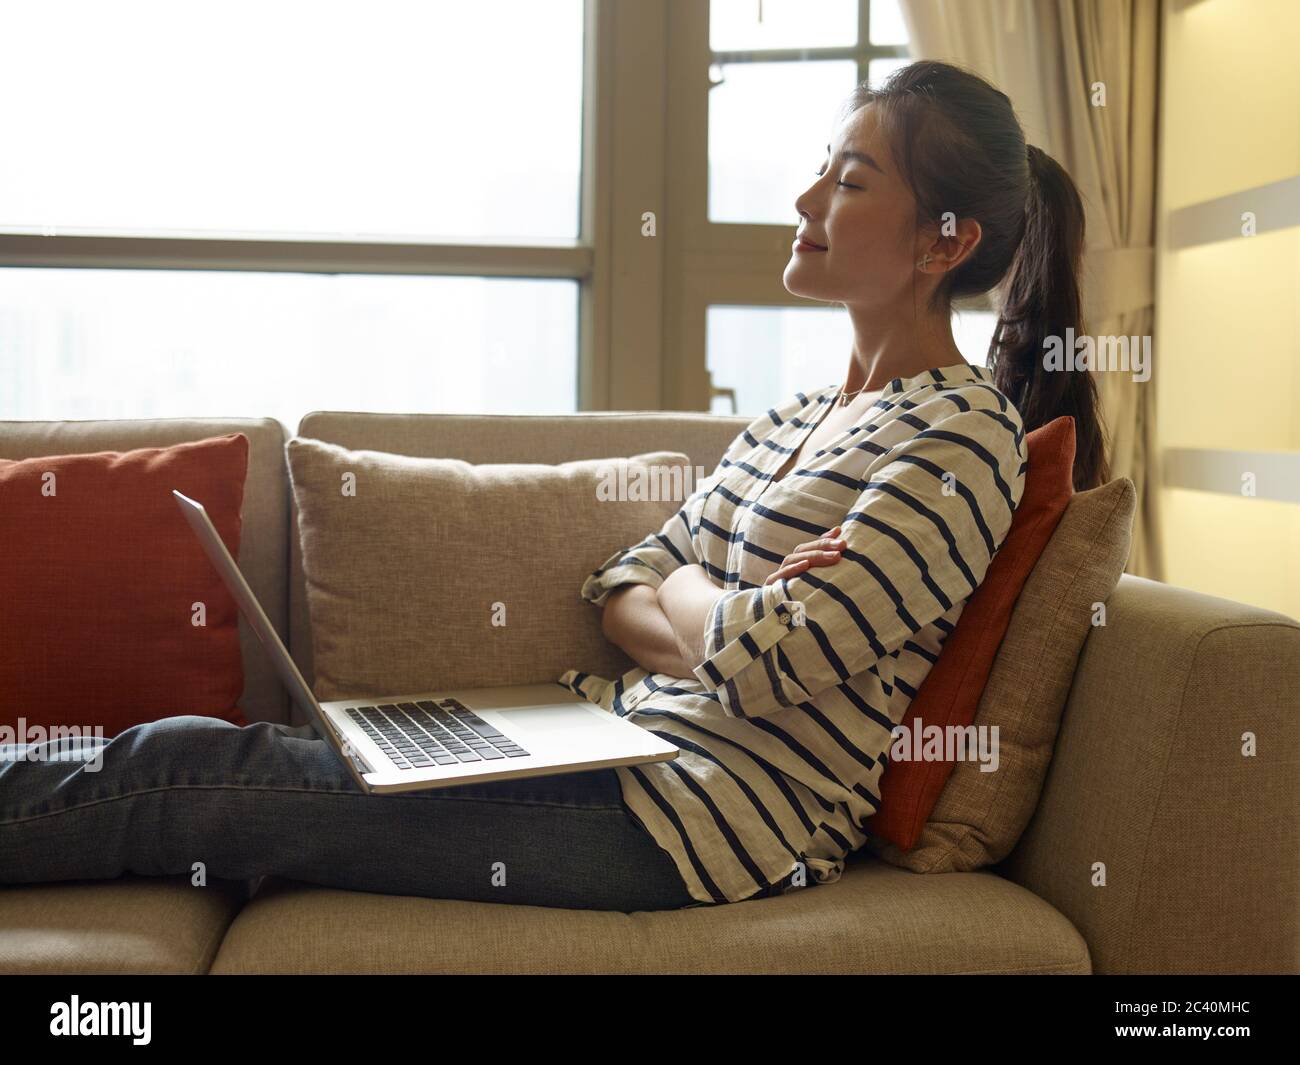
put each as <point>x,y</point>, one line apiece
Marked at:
<point>950,694</point>
<point>874,919</point>
<point>435,573</point>
<point>100,581</point>
<point>264,517</point>
<point>980,815</point>
<point>129,925</point>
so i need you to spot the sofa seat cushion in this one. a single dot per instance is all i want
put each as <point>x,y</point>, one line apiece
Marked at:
<point>129,925</point>
<point>875,919</point>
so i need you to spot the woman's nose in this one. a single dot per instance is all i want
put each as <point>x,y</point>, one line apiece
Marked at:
<point>804,202</point>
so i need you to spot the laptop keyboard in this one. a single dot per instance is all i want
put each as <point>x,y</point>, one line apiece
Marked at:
<point>428,733</point>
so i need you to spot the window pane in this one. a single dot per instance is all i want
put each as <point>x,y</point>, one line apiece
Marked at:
<point>769,124</point>
<point>734,24</point>
<point>887,25</point>
<point>879,69</point>
<point>440,119</point>
<point>767,354</point>
<point>159,344</point>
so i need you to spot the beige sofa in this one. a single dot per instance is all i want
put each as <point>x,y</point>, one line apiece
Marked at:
<point>1202,847</point>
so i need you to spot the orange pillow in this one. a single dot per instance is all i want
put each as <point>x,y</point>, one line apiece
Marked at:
<point>951,691</point>
<point>98,579</point>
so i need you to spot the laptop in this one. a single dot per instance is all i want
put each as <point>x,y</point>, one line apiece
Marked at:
<point>420,740</point>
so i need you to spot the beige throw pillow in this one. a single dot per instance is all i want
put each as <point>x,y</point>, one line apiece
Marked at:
<point>980,816</point>
<point>436,573</point>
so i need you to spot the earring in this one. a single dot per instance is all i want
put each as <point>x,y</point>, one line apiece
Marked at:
<point>923,262</point>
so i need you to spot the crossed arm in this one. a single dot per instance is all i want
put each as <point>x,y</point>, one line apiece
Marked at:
<point>662,629</point>
<point>636,618</point>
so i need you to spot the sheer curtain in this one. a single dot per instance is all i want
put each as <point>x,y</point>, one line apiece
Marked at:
<point>1055,59</point>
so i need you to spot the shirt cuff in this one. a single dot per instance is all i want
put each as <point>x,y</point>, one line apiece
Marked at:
<point>614,574</point>
<point>740,664</point>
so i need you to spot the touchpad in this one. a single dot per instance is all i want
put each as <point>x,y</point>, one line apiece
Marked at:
<point>549,718</point>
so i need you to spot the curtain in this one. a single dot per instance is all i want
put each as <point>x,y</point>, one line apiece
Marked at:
<point>1047,56</point>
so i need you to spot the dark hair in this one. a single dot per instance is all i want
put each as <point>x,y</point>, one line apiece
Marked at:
<point>959,146</point>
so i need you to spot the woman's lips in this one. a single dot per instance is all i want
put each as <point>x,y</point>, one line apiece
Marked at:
<point>803,245</point>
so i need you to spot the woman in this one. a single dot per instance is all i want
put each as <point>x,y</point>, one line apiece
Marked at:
<point>779,684</point>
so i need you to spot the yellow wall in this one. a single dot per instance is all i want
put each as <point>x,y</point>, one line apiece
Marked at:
<point>1242,549</point>
<point>1228,312</point>
<point>1231,96</point>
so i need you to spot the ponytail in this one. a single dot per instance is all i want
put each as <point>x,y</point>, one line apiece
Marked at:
<point>1041,299</point>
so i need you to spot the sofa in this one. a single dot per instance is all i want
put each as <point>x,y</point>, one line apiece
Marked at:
<point>1203,849</point>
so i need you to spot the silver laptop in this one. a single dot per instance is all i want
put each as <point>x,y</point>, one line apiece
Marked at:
<point>436,739</point>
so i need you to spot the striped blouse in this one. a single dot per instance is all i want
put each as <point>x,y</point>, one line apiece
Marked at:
<point>784,728</point>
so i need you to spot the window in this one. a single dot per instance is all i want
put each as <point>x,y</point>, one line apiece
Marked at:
<point>406,207</point>
<point>193,343</point>
<point>342,206</point>
<point>777,78</point>
<point>767,354</point>
<point>761,139</point>
<point>293,118</point>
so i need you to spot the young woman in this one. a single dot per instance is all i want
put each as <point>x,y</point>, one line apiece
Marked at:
<point>781,622</point>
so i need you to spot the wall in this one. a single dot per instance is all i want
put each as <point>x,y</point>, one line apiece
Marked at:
<point>1227,325</point>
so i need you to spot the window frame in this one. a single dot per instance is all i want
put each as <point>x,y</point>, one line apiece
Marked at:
<point>584,260</point>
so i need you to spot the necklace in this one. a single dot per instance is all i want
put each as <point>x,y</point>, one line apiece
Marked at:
<point>844,397</point>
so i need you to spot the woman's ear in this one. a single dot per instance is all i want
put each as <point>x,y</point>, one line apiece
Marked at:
<point>950,244</point>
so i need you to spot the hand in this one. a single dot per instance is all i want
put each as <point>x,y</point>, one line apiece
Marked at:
<point>824,552</point>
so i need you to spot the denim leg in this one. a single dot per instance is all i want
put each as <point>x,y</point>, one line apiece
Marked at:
<point>269,800</point>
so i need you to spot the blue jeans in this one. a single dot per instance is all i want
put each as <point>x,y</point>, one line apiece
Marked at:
<point>268,799</point>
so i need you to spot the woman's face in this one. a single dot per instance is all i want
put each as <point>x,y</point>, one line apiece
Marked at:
<point>864,216</point>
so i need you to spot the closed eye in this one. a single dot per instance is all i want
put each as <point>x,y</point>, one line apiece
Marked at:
<point>843,184</point>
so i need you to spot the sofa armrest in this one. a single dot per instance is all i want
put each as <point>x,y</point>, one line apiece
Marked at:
<point>1200,843</point>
